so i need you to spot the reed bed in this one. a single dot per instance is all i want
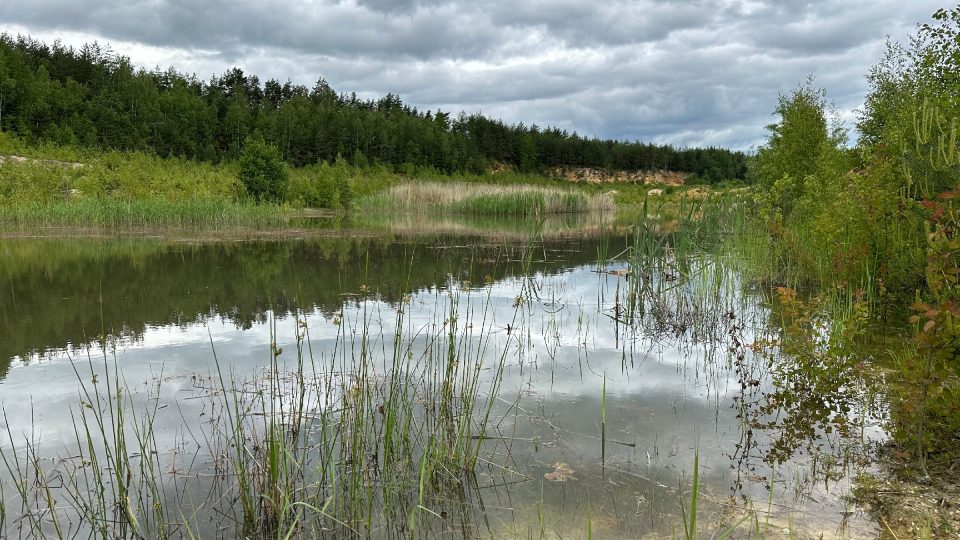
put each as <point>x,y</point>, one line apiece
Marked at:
<point>487,199</point>
<point>111,212</point>
<point>551,227</point>
<point>681,281</point>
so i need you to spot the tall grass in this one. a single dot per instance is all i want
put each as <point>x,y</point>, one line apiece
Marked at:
<point>111,212</point>
<point>681,280</point>
<point>486,199</point>
<point>603,421</point>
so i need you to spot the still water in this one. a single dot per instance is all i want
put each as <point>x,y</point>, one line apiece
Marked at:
<point>551,307</point>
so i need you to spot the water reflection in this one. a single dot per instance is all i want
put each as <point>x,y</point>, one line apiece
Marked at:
<point>667,389</point>
<point>61,293</point>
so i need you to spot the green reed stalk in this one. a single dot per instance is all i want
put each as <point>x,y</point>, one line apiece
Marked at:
<point>603,422</point>
<point>690,522</point>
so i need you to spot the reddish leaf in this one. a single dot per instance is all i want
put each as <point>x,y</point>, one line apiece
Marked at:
<point>937,214</point>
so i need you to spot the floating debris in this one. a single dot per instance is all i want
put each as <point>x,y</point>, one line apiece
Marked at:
<point>561,473</point>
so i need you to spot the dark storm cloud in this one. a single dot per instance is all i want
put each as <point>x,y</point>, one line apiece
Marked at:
<point>684,72</point>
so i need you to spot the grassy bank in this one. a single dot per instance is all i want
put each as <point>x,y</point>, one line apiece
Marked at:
<point>46,185</point>
<point>48,173</point>
<point>60,186</point>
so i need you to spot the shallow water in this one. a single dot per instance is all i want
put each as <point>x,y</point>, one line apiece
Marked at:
<point>669,388</point>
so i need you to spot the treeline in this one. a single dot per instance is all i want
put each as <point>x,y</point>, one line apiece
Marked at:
<point>95,98</point>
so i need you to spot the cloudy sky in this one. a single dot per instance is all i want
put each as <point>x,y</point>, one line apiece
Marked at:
<point>686,72</point>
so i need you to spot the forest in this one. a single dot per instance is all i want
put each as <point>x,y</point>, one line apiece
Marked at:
<point>93,97</point>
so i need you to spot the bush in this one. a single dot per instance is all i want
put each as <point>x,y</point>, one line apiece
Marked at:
<point>263,171</point>
<point>321,186</point>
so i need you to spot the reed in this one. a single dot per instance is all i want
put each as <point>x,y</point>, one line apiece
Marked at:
<point>111,212</point>
<point>486,199</point>
<point>603,421</point>
<point>690,521</point>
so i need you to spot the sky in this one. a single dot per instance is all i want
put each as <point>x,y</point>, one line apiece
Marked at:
<point>688,73</point>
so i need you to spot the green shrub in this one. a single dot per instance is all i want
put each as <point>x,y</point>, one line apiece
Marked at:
<point>263,171</point>
<point>927,413</point>
<point>325,191</point>
<point>313,187</point>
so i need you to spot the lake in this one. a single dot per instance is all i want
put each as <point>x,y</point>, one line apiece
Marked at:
<point>411,379</point>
